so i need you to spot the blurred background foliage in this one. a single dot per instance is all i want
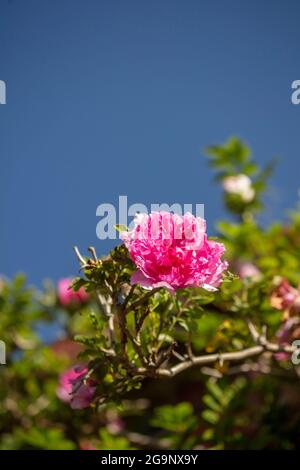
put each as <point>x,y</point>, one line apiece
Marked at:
<point>250,405</point>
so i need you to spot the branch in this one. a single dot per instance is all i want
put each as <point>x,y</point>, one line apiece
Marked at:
<point>209,359</point>
<point>262,346</point>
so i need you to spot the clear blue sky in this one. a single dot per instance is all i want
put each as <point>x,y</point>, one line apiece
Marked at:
<point>109,97</point>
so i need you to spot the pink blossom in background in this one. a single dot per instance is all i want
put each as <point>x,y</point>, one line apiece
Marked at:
<point>286,293</point>
<point>73,389</point>
<point>173,251</point>
<point>288,332</point>
<point>287,298</point>
<point>246,269</point>
<point>67,295</point>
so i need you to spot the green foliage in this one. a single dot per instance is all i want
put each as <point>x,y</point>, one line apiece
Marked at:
<point>220,411</point>
<point>234,158</point>
<point>111,442</point>
<point>176,419</point>
<point>38,439</point>
<point>178,423</point>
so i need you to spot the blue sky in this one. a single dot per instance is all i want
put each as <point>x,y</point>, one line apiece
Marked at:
<point>110,97</point>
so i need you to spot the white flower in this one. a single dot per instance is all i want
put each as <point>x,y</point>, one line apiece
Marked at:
<point>241,185</point>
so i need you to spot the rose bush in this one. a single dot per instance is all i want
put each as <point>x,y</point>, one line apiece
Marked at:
<point>177,348</point>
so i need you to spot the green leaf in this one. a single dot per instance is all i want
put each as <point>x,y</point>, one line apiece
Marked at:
<point>121,228</point>
<point>210,416</point>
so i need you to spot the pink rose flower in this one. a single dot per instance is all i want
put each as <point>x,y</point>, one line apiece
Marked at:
<point>67,296</point>
<point>173,251</point>
<point>75,389</point>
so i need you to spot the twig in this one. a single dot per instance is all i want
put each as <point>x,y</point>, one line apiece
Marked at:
<point>80,257</point>
<point>108,352</point>
<point>178,356</point>
<point>166,355</point>
<point>258,338</point>
<point>93,252</point>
